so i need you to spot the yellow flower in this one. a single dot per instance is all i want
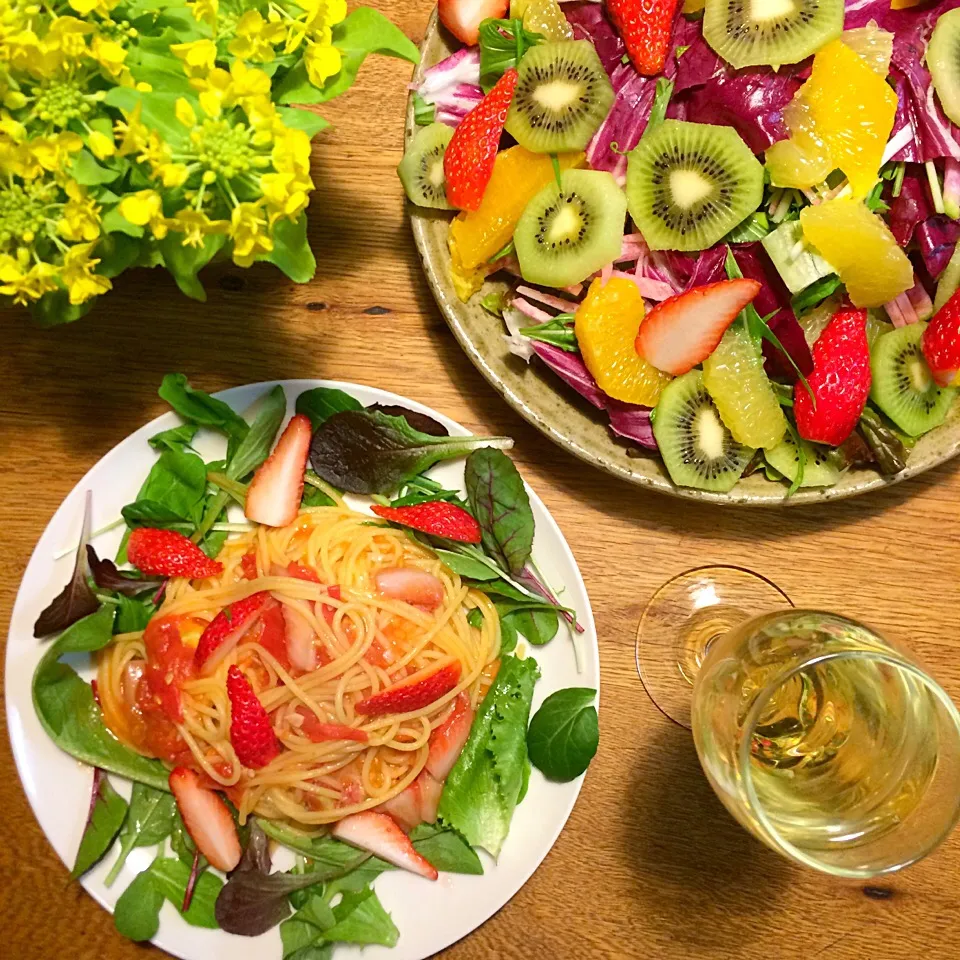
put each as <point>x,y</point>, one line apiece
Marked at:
<point>101,145</point>
<point>195,225</point>
<point>255,37</point>
<point>184,112</point>
<point>248,82</point>
<point>248,230</point>
<point>287,194</point>
<point>198,56</point>
<point>52,153</point>
<point>78,276</point>
<point>86,7</point>
<point>219,89</point>
<point>322,62</point>
<point>133,134</point>
<point>145,209</point>
<point>263,119</point>
<point>65,40</point>
<point>205,11</point>
<point>13,129</point>
<point>291,152</point>
<point>24,285</point>
<point>214,89</point>
<point>81,216</point>
<point>109,54</point>
<point>317,22</point>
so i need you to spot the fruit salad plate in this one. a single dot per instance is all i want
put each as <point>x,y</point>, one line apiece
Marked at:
<point>135,860</point>
<point>662,274</point>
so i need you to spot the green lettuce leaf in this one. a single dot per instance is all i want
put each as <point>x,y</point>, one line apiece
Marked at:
<point>484,786</point>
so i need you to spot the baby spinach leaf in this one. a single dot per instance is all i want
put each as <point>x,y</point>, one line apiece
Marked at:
<point>256,445</point>
<point>149,821</point>
<point>537,626</point>
<point>76,600</point>
<point>508,634</point>
<point>107,576</point>
<point>446,849</point>
<point>564,733</point>
<point>171,876</point>
<point>198,407</point>
<point>475,618</point>
<point>364,452</point>
<point>67,711</point>
<point>482,789</point>
<point>172,493</point>
<point>107,812</point>
<point>499,501</point>
<point>466,566</point>
<point>176,438</point>
<point>137,912</point>
<point>133,614</point>
<point>321,403</point>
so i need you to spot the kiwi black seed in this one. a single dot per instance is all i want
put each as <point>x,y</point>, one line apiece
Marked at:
<point>698,450</point>
<point>570,231</point>
<point>562,96</point>
<point>689,184</point>
<point>749,32</point>
<point>903,387</point>
<point>421,169</point>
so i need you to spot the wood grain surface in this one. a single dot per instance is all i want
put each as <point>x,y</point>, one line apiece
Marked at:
<point>649,865</point>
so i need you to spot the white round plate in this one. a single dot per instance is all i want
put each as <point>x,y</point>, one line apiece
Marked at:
<point>430,916</point>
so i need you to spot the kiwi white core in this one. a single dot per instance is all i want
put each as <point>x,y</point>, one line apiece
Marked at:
<point>557,94</point>
<point>764,10</point>
<point>566,223</point>
<point>919,378</point>
<point>688,187</point>
<point>435,175</point>
<point>709,433</point>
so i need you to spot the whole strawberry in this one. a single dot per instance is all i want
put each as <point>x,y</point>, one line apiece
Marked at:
<point>941,343</point>
<point>167,553</point>
<point>646,26</point>
<point>468,160</point>
<point>250,730</point>
<point>438,518</point>
<point>840,381</point>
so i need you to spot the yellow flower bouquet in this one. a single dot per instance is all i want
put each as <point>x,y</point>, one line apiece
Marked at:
<point>162,133</point>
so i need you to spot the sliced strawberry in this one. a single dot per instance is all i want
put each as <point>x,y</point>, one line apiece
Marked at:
<point>417,691</point>
<point>840,381</point>
<point>248,566</point>
<point>319,732</point>
<point>273,497</point>
<point>378,833</point>
<point>167,553</point>
<point>645,26</point>
<point>430,792</point>
<point>326,610</point>
<point>941,343</point>
<point>405,806</point>
<point>250,730</point>
<point>226,630</point>
<point>463,17</point>
<point>468,160</point>
<point>300,648</point>
<point>684,330</point>
<point>207,819</point>
<point>438,518</point>
<point>413,586</point>
<point>447,740</point>
<point>272,634</point>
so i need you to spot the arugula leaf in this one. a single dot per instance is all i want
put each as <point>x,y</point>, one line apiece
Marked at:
<point>321,403</point>
<point>816,293</point>
<point>564,733</point>
<point>367,452</point>
<point>482,789</point>
<point>67,711</point>
<point>304,931</point>
<point>170,876</point>
<point>107,812</point>
<point>499,501</point>
<point>149,821</point>
<point>502,46</point>
<point>360,918</point>
<point>198,407</point>
<point>76,600</point>
<point>466,566</point>
<point>137,911</point>
<point>558,331</point>
<point>661,100</point>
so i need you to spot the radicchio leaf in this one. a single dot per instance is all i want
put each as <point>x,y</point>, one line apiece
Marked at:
<point>570,368</point>
<point>107,576</point>
<point>631,422</point>
<point>910,208</point>
<point>937,238</point>
<point>419,421</point>
<point>76,600</point>
<point>788,331</point>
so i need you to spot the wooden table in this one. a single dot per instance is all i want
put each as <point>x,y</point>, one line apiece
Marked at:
<point>649,865</point>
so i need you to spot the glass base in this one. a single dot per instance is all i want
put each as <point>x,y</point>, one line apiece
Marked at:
<point>682,620</point>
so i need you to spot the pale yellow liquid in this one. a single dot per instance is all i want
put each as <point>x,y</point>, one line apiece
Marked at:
<point>843,751</point>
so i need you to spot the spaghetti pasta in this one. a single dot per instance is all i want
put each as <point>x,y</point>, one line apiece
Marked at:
<point>321,573</point>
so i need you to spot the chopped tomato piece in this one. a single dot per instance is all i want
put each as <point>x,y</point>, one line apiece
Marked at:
<point>248,566</point>
<point>302,572</point>
<point>272,632</point>
<point>169,665</point>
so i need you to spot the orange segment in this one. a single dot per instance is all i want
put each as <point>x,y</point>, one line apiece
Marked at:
<point>861,248</point>
<point>607,324</point>
<point>518,175</point>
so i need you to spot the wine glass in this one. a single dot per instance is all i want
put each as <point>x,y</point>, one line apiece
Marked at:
<point>829,743</point>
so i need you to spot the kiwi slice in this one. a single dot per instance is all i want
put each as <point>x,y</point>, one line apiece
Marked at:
<point>571,230</point>
<point>421,169</point>
<point>562,96</point>
<point>749,32</point>
<point>689,184</point>
<point>902,385</point>
<point>821,466</point>
<point>943,61</point>
<point>698,450</point>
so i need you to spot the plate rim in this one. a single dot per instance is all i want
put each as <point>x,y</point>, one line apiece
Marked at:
<point>20,743</point>
<point>866,481</point>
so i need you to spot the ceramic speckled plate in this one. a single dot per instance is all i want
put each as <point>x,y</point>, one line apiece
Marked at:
<point>554,409</point>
